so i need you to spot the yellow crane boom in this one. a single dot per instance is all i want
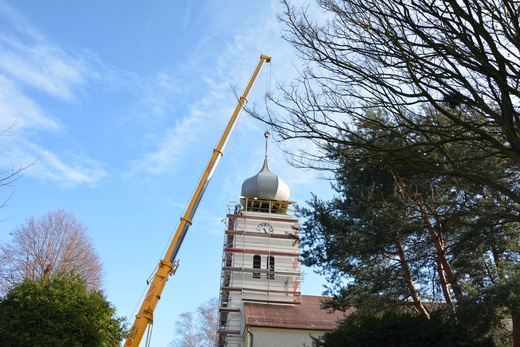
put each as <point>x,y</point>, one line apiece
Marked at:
<point>168,265</point>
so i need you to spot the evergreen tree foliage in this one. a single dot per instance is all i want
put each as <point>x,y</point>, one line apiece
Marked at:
<point>58,312</point>
<point>400,330</point>
<point>393,237</point>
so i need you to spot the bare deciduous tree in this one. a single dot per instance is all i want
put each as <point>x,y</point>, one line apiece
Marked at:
<point>458,58</point>
<point>199,331</point>
<point>208,314</point>
<point>9,175</point>
<point>186,331</point>
<point>54,243</point>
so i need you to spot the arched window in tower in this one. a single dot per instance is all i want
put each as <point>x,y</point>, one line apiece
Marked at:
<point>270,268</point>
<point>257,264</point>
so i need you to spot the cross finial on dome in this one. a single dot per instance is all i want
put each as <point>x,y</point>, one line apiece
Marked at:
<point>266,134</point>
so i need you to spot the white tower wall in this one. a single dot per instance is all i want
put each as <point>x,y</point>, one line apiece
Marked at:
<point>257,266</point>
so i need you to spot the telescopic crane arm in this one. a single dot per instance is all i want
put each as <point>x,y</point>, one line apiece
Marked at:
<point>168,265</point>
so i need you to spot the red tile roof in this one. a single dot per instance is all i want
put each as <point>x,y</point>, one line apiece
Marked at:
<point>308,315</point>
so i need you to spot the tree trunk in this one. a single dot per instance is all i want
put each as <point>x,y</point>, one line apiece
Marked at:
<point>444,285</point>
<point>441,254</point>
<point>516,329</point>
<point>409,280</point>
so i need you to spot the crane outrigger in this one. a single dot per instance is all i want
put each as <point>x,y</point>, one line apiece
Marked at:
<point>168,265</point>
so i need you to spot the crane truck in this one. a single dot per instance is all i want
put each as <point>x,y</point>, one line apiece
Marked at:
<point>169,264</point>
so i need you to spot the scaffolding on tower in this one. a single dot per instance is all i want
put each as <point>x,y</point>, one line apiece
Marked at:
<point>241,281</point>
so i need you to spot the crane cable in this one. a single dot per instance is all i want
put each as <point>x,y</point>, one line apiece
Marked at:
<point>143,292</point>
<point>196,245</point>
<point>149,329</point>
<point>267,97</point>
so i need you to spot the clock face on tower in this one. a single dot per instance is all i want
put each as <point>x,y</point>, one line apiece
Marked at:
<point>265,227</point>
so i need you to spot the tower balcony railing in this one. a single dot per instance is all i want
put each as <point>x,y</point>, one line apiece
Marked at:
<point>248,204</point>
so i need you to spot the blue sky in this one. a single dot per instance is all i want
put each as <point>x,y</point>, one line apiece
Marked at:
<point>119,104</point>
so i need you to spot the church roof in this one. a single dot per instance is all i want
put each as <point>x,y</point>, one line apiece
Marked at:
<point>308,315</point>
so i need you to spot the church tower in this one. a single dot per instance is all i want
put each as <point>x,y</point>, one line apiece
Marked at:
<point>260,261</point>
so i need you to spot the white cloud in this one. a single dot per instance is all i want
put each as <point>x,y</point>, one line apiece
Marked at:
<point>27,57</point>
<point>169,149</point>
<point>41,66</point>
<point>30,64</point>
<point>76,170</point>
<point>20,111</point>
<point>44,165</point>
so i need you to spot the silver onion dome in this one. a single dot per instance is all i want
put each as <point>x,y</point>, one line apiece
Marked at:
<point>265,184</point>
